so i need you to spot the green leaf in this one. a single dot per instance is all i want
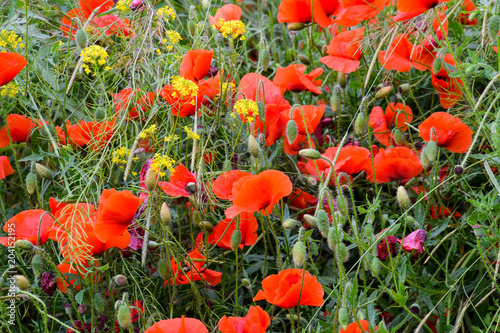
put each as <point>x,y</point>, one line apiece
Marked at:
<point>79,296</point>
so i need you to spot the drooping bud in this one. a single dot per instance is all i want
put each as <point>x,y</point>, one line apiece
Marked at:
<point>343,317</point>
<point>23,244</point>
<point>124,317</point>
<point>342,79</point>
<point>236,240</point>
<point>398,137</point>
<point>424,159</point>
<point>311,181</point>
<point>411,220</point>
<point>382,93</point>
<point>295,26</point>
<point>335,100</point>
<point>343,252</point>
<point>311,220</point>
<point>360,124</point>
<point>323,223</point>
<point>246,282</point>
<point>265,58</point>
<point>253,146</point>
<point>81,39</point>
<point>311,154</point>
<point>99,114</point>
<point>21,282</point>
<point>43,172</point>
<point>431,150</point>
<point>31,182</point>
<point>192,28</point>
<point>332,239</point>
<point>403,198</point>
<point>163,268</point>
<point>415,309</point>
<point>37,265</point>
<point>290,223</point>
<point>153,245</point>
<point>165,215</point>
<point>291,131</point>
<point>68,308</point>
<point>303,59</point>
<point>99,303</point>
<point>324,50</point>
<point>493,27</point>
<point>299,253</point>
<point>151,178</point>
<point>261,107</point>
<point>404,88</point>
<point>342,205</point>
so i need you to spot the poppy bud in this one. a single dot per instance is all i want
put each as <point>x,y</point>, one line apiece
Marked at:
<point>100,114</point>
<point>311,181</point>
<point>21,282</point>
<point>411,220</point>
<point>295,26</point>
<point>153,245</point>
<point>120,280</point>
<point>343,317</point>
<point>342,205</point>
<point>360,124</point>
<point>403,198</point>
<point>31,182</point>
<point>253,146</point>
<point>163,268</point>
<point>246,282</point>
<point>291,131</point>
<point>311,154</point>
<point>335,101</point>
<point>37,265</point>
<point>236,240</point>
<point>436,66</point>
<point>458,170</point>
<point>68,308</point>
<point>311,220</point>
<point>99,302</point>
<point>151,177</point>
<point>342,79</point>
<point>43,172</point>
<point>404,88</point>
<point>303,59</point>
<point>192,28</point>
<point>165,215</point>
<point>398,137</point>
<point>265,58</point>
<point>431,150</point>
<point>368,231</point>
<point>23,244</point>
<point>124,317</point>
<point>299,253</point>
<point>323,223</point>
<point>206,225</point>
<point>375,265</point>
<point>383,92</point>
<point>262,110</point>
<point>290,223</point>
<point>424,159</point>
<point>324,51</point>
<point>81,39</point>
<point>494,27</point>
<point>332,239</point>
<point>342,252</point>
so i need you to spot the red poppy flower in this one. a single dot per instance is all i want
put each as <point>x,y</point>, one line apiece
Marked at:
<point>353,12</point>
<point>30,225</point>
<point>386,247</point>
<point>414,241</point>
<point>301,199</point>
<point>225,13</point>
<point>196,64</point>
<point>452,134</point>
<point>115,212</point>
<point>72,20</point>
<point>129,100</point>
<point>301,142</point>
<point>417,6</point>
<point>259,192</point>
<point>69,270</point>
<point>99,6</point>
<point>400,55</point>
<point>399,163</point>
<point>97,135</point>
<point>437,212</point>
<point>344,51</point>
<point>468,7</point>
<point>357,327</point>
<point>223,231</point>
<point>283,289</point>
<point>294,79</point>
<point>19,129</point>
<point>12,64</point>
<point>191,271</point>
<point>183,106</point>
<point>178,325</point>
<point>396,116</point>
<point>223,185</point>
<point>256,321</point>
<point>449,88</point>
<point>303,11</point>
<point>311,114</point>
<point>112,25</point>
<point>5,168</point>
<point>181,181</point>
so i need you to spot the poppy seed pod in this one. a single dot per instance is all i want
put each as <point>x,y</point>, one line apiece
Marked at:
<point>151,178</point>
<point>165,215</point>
<point>291,131</point>
<point>124,317</point>
<point>21,282</point>
<point>265,58</point>
<point>43,172</point>
<point>360,124</point>
<point>31,182</point>
<point>99,302</point>
<point>478,230</point>
<point>23,244</point>
<point>295,26</point>
<point>236,240</point>
<point>253,146</point>
<point>304,59</point>
<point>382,93</point>
<point>299,253</point>
<point>342,252</point>
<point>37,265</point>
<point>493,27</point>
<point>342,79</point>
<point>323,223</point>
<point>403,198</point>
<point>81,39</point>
<point>163,268</point>
<point>311,154</point>
<point>290,223</point>
<point>335,101</point>
<point>120,280</point>
<point>343,317</point>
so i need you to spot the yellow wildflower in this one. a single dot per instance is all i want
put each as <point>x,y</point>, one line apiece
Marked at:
<point>246,108</point>
<point>185,87</point>
<point>95,55</point>
<point>191,134</point>
<point>10,39</point>
<point>123,5</point>
<point>166,13</point>
<point>173,137</point>
<point>120,156</point>
<point>162,162</point>
<point>232,29</point>
<point>148,132</point>
<point>10,89</point>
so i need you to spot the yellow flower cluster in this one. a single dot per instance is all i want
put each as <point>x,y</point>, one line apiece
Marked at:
<point>166,13</point>
<point>246,108</point>
<point>94,54</point>
<point>120,156</point>
<point>10,39</point>
<point>148,132</point>
<point>173,37</point>
<point>123,5</point>
<point>10,89</point>
<point>232,29</point>
<point>191,134</point>
<point>173,137</point>
<point>161,162</point>
<point>185,87</point>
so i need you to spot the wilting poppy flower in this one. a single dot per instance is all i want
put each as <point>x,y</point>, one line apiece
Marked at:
<point>178,325</point>
<point>182,183</point>
<point>283,289</point>
<point>188,272</point>
<point>400,55</point>
<point>70,269</point>
<point>128,100</point>
<point>114,213</point>
<point>99,6</point>
<point>386,247</point>
<point>357,327</point>
<point>311,114</point>
<point>196,64</point>
<point>226,13</point>
<point>449,88</point>
<point>223,185</point>
<point>5,167</point>
<point>399,163</point>
<point>223,231</point>
<point>303,11</point>
<point>414,241</point>
<point>353,12</point>
<point>19,129</point>
<point>30,225</point>
<point>396,116</point>
<point>259,192</point>
<point>451,133</point>
<point>84,133</point>
<point>112,25</point>
<point>344,51</point>
<point>417,6</point>
<point>256,321</point>
<point>12,64</point>
<point>294,79</point>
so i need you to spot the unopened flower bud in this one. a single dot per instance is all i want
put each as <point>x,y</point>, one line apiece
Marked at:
<point>265,58</point>
<point>323,223</point>
<point>141,154</point>
<point>236,240</point>
<point>311,154</point>
<point>403,198</point>
<point>311,181</point>
<point>335,101</point>
<point>493,27</point>
<point>343,252</point>
<point>415,309</point>
<point>31,182</point>
<point>253,146</point>
<point>311,220</point>
<point>37,265</point>
<point>99,302</point>
<point>324,50</point>
<point>124,317</point>
<point>332,238</point>
<point>99,114</point>
<point>303,59</point>
<point>299,253</point>
<point>261,107</point>
<point>382,93</point>
<point>82,308</point>
<point>342,79</point>
<point>81,39</point>
<point>163,268</point>
<point>205,225</point>
<point>21,282</point>
<point>431,150</point>
<point>43,172</point>
<point>291,131</point>
<point>295,26</point>
<point>290,223</point>
<point>404,88</point>
<point>165,215</point>
<point>342,205</point>
<point>151,178</point>
<point>343,318</point>
<point>23,244</point>
<point>68,308</point>
<point>246,282</point>
<point>398,137</point>
<point>424,159</point>
<point>192,28</point>
<point>360,124</point>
